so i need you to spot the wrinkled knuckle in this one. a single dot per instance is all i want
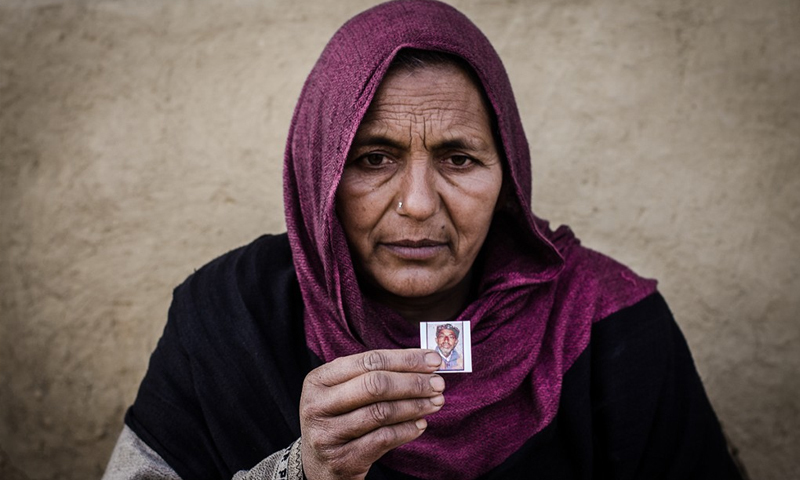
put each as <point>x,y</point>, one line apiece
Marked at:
<point>310,412</point>
<point>381,412</point>
<point>412,361</point>
<point>376,383</point>
<point>388,437</point>
<point>422,384</point>
<point>373,361</point>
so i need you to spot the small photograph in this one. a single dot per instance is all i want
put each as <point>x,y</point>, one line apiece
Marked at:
<point>451,340</point>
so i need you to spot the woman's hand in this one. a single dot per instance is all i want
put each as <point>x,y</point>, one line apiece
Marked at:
<point>355,409</point>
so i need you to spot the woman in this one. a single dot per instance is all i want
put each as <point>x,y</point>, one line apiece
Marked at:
<point>407,192</point>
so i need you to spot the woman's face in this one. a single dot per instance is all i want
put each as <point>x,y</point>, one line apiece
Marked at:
<point>421,182</point>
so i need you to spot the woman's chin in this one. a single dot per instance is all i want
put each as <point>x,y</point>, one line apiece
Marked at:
<point>420,285</point>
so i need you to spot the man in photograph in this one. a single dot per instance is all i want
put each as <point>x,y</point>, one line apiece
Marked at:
<point>446,341</point>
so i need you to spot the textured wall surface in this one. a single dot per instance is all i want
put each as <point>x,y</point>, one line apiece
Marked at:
<point>138,140</point>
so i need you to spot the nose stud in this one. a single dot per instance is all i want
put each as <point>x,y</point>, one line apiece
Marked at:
<point>399,205</point>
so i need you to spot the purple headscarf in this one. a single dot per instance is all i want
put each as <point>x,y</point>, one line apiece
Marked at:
<point>538,292</point>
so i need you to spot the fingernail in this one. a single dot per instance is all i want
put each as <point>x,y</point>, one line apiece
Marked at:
<point>437,383</point>
<point>438,400</point>
<point>422,424</point>
<point>433,359</point>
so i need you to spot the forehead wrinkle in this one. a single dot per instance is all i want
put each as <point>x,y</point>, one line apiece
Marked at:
<point>376,124</point>
<point>443,125</point>
<point>425,132</point>
<point>441,121</point>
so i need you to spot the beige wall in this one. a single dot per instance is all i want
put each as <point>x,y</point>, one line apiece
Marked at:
<point>140,139</point>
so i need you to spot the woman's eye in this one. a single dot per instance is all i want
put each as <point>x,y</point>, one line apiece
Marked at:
<point>460,160</point>
<point>374,159</point>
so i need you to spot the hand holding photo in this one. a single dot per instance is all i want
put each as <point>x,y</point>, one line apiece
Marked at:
<point>451,340</point>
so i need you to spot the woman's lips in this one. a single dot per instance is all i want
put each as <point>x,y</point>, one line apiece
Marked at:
<point>424,249</point>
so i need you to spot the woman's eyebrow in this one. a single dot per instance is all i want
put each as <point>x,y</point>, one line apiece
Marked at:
<point>458,144</point>
<point>372,139</point>
<point>444,145</point>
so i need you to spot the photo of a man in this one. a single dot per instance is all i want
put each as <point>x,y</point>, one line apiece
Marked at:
<point>446,341</point>
<point>451,341</point>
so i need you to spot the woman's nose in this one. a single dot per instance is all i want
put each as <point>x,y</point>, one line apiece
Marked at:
<point>418,194</point>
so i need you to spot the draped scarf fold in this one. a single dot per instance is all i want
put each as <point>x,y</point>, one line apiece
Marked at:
<point>538,291</point>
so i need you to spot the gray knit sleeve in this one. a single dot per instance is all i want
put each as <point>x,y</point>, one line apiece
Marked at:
<point>132,459</point>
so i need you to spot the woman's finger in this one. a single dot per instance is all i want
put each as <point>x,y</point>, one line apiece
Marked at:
<point>346,368</point>
<point>376,415</point>
<point>375,387</point>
